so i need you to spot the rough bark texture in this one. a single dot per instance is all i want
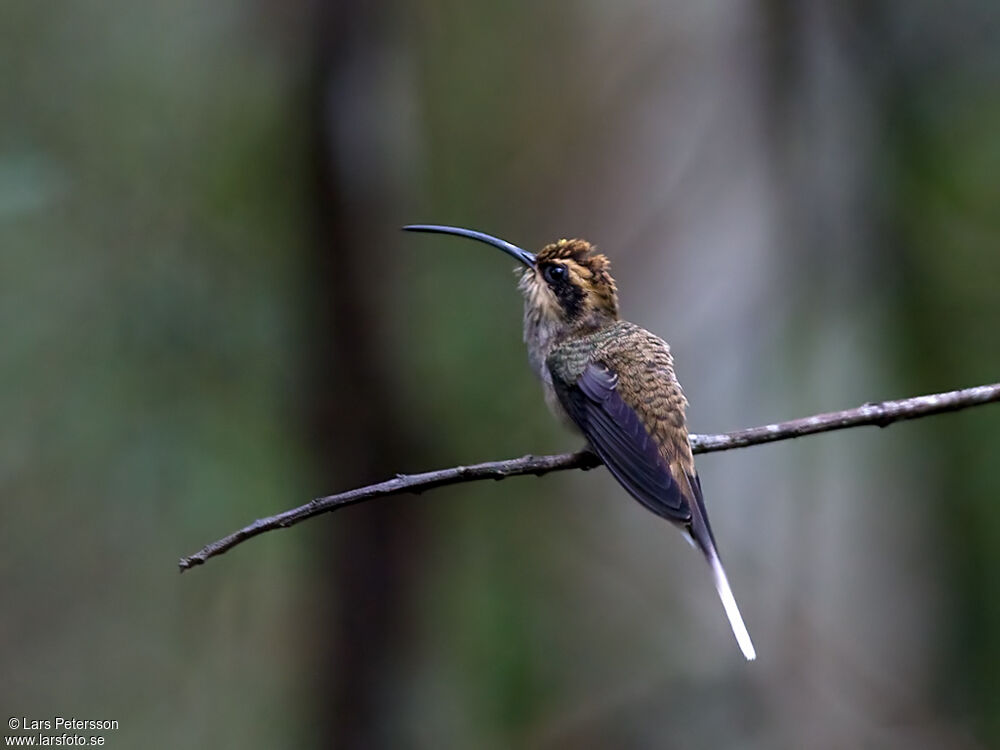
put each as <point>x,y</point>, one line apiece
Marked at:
<point>880,414</point>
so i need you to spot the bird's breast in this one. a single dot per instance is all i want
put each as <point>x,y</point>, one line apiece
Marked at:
<point>540,337</point>
<point>556,407</point>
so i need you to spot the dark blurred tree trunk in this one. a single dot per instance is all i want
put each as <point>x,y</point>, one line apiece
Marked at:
<point>356,430</point>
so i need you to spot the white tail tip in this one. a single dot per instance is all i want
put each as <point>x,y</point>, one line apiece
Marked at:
<point>732,611</point>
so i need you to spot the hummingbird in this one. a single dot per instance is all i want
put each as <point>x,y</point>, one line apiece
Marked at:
<point>614,382</point>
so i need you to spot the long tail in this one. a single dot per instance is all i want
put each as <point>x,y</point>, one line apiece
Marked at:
<point>732,611</point>
<point>700,535</point>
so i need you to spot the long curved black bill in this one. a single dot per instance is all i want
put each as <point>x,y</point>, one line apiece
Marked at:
<point>513,250</point>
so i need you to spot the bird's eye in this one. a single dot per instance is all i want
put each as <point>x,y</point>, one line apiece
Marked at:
<point>554,274</point>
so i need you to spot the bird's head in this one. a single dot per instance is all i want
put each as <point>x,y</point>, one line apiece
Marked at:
<point>570,283</point>
<point>567,283</point>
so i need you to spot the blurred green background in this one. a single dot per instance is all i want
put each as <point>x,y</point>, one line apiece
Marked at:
<point>208,314</point>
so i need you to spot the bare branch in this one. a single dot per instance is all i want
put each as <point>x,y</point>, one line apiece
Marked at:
<point>882,414</point>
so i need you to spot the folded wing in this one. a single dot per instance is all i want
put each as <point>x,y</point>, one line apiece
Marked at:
<point>618,436</point>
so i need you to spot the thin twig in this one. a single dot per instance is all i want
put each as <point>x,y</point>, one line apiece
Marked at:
<point>881,414</point>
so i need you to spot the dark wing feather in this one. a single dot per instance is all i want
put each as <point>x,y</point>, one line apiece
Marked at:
<point>617,435</point>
